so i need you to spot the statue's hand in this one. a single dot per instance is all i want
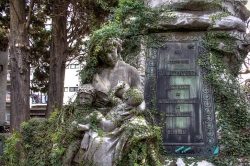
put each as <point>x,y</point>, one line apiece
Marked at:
<point>142,106</point>
<point>82,127</point>
<point>84,146</point>
<point>72,126</point>
<point>121,84</point>
<point>126,113</point>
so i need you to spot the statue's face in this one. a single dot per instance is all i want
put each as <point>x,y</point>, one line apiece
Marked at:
<point>85,99</point>
<point>112,57</point>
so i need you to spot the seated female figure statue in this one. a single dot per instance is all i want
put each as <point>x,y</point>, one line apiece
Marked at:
<point>105,149</point>
<point>131,98</point>
<point>115,70</point>
<point>122,126</point>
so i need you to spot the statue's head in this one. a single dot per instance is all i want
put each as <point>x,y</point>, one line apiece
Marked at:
<point>133,96</point>
<point>112,49</point>
<point>86,94</point>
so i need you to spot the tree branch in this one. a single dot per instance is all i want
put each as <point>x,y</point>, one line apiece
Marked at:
<point>244,72</point>
<point>29,14</point>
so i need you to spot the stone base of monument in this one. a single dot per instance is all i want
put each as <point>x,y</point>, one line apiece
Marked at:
<point>202,163</point>
<point>180,162</point>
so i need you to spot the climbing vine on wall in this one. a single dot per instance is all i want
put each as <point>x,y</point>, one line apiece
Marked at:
<point>233,119</point>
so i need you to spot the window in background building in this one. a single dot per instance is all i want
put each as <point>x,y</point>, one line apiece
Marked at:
<point>73,89</point>
<point>66,89</point>
<point>67,67</point>
<point>44,99</point>
<point>8,75</point>
<point>7,117</point>
<point>74,66</point>
<point>7,96</point>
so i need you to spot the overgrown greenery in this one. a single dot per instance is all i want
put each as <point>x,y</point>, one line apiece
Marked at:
<point>130,22</point>
<point>231,104</point>
<point>84,17</point>
<point>44,143</point>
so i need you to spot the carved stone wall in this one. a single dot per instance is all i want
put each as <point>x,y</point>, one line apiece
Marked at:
<point>196,15</point>
<point>193,106</point>
<point>200,10</point>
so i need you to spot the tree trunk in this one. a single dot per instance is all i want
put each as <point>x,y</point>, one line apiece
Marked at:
<point>19,61</point>
<point>57,56</point>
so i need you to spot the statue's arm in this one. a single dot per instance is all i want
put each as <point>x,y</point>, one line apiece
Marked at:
<point>136,81</point>
<point>135,78</point>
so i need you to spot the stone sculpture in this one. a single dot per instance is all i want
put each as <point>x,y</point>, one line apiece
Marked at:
<point>86,94</point>
<point>106,152</point>
<point>86,97</point>
<point>124,110</point>
<point>118,84</point>
<point>115,70</point>
<point>127,103</point>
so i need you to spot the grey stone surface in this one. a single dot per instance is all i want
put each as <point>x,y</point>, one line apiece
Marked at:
<point>142,59</point>
<point>202,21</point>
<point>3,84</point>
<point>230,23</point>
<point>196,14</point>
<point>195,4</point>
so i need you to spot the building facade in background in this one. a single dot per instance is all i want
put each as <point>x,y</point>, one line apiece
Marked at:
<point>4,96</point>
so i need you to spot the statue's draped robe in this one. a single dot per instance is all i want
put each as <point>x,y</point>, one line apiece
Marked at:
<point>107,150</point>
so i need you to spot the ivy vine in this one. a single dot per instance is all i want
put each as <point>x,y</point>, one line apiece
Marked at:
<point>44,143</point>
<point>231,105</point>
